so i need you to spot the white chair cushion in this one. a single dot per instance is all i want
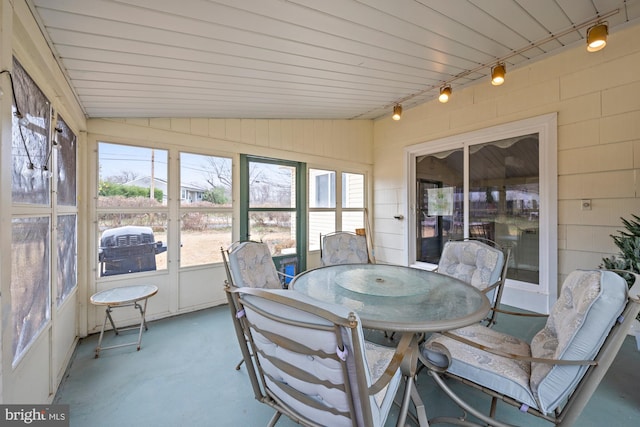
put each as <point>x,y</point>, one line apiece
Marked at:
<point>471,261</point>
<point>502,374</point>
<point>378,358</point>
<point>251,265</point>
<point>588,306</point>
<point>375,357</point>
<point>344,248</point>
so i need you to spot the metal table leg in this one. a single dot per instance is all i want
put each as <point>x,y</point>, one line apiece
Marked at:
<point>409,368</point>
<point>143,326</point>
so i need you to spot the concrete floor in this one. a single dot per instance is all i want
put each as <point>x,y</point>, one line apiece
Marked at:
<point>184,376</point>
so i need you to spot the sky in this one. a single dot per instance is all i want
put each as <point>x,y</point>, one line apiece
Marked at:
<point>114,159</point>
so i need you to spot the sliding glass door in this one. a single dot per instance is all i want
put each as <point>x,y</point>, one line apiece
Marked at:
<point>498,183</point>
<point>497,199</point>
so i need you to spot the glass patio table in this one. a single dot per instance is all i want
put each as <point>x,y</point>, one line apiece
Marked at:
<point>400,299</point>
<point>124,296</point>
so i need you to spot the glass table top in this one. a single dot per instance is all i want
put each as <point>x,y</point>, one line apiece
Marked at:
<point>123,295</point>
<point>392,297</point>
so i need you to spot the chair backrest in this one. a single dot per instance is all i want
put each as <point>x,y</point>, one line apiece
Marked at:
<point>249,264</point>
<point>310,361</point>
<point>343,247</point>
<point>480,263</point>
<point>589,305</point>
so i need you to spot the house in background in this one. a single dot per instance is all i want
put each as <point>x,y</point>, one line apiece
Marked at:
<point>192,193</point>
<point>189,193</point>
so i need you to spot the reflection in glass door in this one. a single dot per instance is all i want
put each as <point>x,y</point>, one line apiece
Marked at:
<point>503,201</point>
<point>440,186</point>
<point>272,207</point>
<point>430,230</point>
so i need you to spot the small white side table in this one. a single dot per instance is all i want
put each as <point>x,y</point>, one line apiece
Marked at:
<point>125,296</point>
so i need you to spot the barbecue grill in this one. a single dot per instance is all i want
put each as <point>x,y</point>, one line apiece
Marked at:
<point>128,249</point>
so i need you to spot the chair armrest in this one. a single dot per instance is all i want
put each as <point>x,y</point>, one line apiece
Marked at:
<point>634,292</point>
<point>518,356</point>
<point>491,287</point>
<point>284,274</point>
<point>405,342</point>
<point>516,313</point>
<point>285,285</point>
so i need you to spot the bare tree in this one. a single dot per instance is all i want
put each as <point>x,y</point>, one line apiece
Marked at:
<point>124,177</point>
<point>219,173</point>
<point>270,185</point>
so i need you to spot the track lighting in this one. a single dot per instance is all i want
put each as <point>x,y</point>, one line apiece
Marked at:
<point>28,170</point>
<point>497,74</point>
<point>55,143</point>
<point>397,112</point>
<point>29,167</point>
<point>22,120</point>
<point>597,37</point>
<point>445,93</point>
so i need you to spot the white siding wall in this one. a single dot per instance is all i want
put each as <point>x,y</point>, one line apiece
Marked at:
<point>597,97</point>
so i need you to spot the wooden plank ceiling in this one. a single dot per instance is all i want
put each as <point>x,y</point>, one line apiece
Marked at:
<point>307,59</point>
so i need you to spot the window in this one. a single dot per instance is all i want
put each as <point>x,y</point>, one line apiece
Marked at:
<point>322,205</point>
<point>132,209</point>
<point>30,149</point>
<point>324,215</point>
<point>352,201</point>
<point>66,159</point>
<point>30,280</point>
<point>205,208</point>
<point>66,238</point>
<point>497,183</point>
<point>39,170</point>
<point>325,189</point>
<point>273,205</point>
<point>66,243</point>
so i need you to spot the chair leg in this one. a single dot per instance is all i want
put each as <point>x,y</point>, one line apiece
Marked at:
<point>274,419</point>
<point>239,364</point>
<point>465,406</point>
<point>492,411</point>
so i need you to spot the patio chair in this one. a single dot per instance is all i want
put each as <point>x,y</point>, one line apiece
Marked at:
<point>553,376</point>
<point>309,361</point>
<point>481,263</point>
<point>343,247</point>
<point>249,264</point>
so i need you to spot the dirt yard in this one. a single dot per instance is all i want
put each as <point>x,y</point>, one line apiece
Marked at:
<point>203,248</point>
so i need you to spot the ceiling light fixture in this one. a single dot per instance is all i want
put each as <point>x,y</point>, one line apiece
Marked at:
<point>597,37</point>
<point>397,112</point>
<point>596,23</point>
<point>497,74</point>
<point>445,93</point>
